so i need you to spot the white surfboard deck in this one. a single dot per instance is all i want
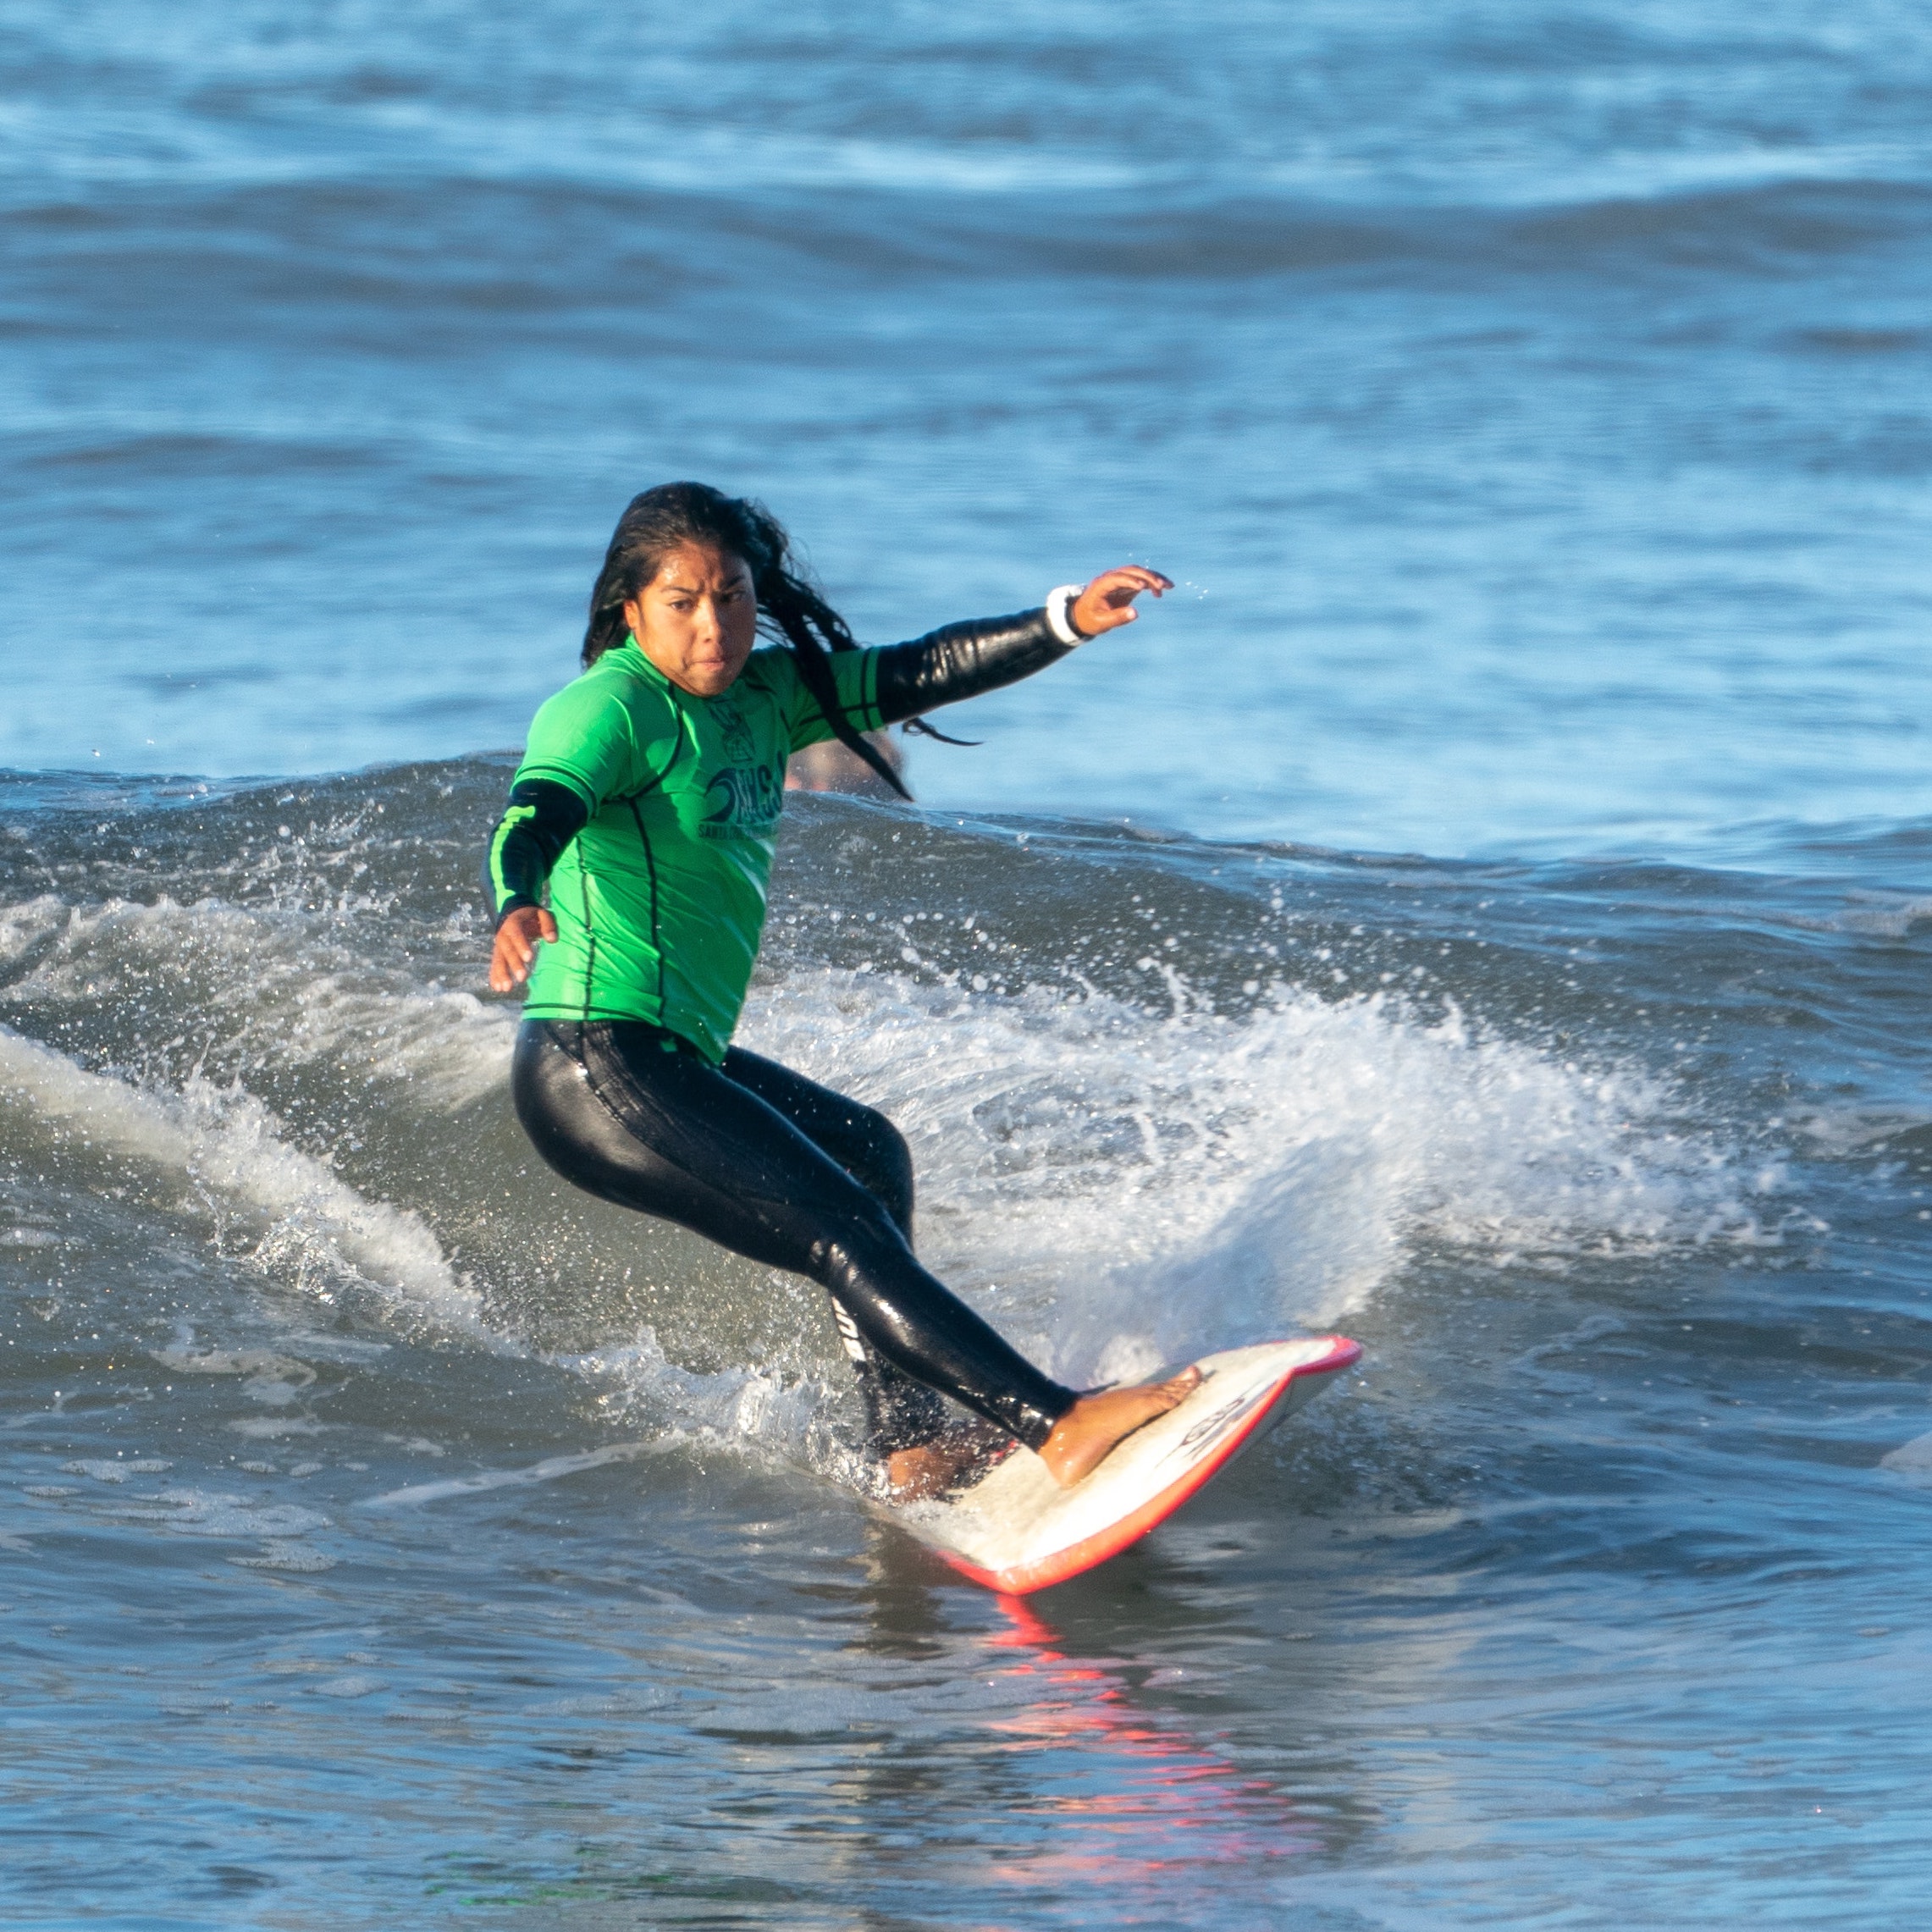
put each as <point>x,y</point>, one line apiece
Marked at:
<point>1017,1530</point>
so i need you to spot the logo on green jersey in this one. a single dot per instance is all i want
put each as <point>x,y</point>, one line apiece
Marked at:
<point>734,731</point>
<point>748,801</point>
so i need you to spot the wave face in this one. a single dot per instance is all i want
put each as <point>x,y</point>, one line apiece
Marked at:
<point>1614,1169</point>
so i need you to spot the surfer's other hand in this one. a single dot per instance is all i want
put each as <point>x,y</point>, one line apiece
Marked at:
<point>1083,1437</point>
<point>516,950</point>
<point>1108,602</point>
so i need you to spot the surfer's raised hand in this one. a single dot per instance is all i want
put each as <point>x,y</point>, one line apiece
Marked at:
<point>1108,602</point>
<point>516,950</point>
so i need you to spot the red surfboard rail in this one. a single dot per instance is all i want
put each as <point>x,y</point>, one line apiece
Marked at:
<point>1024,1578</point>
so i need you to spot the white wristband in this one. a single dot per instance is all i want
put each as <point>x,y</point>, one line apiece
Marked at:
<point>1060,612</point>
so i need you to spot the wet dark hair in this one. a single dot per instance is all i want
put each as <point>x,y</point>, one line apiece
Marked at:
<point>790,608</point>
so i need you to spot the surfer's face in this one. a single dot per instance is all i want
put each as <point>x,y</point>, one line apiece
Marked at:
<point>697,620</point>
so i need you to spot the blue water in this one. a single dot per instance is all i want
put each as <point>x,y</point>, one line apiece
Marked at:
<point>1484,909</point>
<point>1531,400</point>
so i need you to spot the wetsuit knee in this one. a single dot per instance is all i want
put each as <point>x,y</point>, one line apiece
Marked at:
<point>862,1140</point>
<point>884,1167</point>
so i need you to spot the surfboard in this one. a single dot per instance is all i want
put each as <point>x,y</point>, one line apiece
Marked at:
<point>1016,1530</point>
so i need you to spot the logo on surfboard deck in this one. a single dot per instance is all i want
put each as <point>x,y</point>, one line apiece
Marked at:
<point>1211,1427</point>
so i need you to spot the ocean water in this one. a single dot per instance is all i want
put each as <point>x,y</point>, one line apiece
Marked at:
<point>1484,910</point>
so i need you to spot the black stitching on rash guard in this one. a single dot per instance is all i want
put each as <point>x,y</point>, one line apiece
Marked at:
<point>651,869</point>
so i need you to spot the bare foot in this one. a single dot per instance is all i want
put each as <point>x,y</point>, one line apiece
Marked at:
<point>931,1468</point>
<point>1083,1437</point>
<point>914,1474</point>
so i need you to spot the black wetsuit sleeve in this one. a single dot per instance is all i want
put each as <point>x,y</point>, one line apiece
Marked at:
<point>961,661</point>
<point>541,819</point>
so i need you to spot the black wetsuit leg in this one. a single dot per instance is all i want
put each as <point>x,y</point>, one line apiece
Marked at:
<point>627,1112</point>
<point>900,1413</point>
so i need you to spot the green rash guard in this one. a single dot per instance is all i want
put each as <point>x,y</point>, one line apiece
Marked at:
<point>660,899</point>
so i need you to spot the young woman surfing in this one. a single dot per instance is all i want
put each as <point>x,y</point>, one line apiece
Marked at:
<point>628,878</point>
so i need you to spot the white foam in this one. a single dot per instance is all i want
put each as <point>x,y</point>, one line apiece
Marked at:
<point>30,925</point>
<point>1912,1461</point>
<point>1868,914</point>
<point>215,1513</point>
<point>448,1050</point>
<point>548,1470</point>
<point>272,1379</point>
<point>104,1469</point>
<point>227,1147</point>
<point>278,978</point>
<point>1117,1188</point>
<point>782,1409</point>
<point>1113,1188</point>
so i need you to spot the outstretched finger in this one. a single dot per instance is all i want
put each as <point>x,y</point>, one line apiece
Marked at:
<point>1108,602</point>
<point>1138,577</point>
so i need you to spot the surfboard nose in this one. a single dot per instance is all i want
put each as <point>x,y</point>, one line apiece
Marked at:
<point>1016,1530</point>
